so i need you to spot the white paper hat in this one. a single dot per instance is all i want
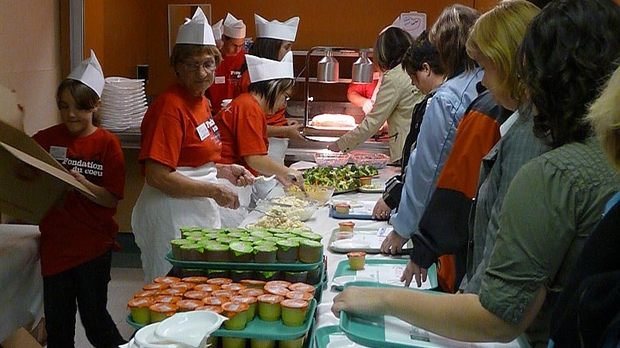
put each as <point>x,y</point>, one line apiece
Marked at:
<point>217,29</point>
<point>89,72</point>
<point>196,31</point>
<point>276,29</point>
<point>233,27</point>
<point>263,69</point>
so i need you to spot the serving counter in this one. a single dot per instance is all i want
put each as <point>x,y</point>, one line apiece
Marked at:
<point>21,284</point>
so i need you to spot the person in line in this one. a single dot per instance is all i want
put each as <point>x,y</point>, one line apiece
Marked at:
<point>443,114</point>
<point>586,314</point>
<point>554,201</point>
<point>243,123</point>
<point>77,238</point>
<point>232,58</point>
<point>274,39</point>
<point>395,99</point>
<point>423,65</point>
<point>180,150</point>
<point>518,144</point>
<point>443,228</point>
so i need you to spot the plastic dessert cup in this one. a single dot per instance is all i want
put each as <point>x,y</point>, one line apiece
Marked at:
<point>342,208</point>
<point>294,312</point>
<point>219,281</point>
<point>303,287</point>
<point>269,308</point>
<point>299,295</point>
<point>241,251</point>
<point>196,295</point>
<point>262,343</point>
<point>252,303</point>
<point>168,299</point>
<point>206,287</point>
<point>237,314</point>
<point>295,343</point>
<point>357,259</point>
<point>176,244</point>
<point>195,280</point>
<point>216,252</point>
<point>233,342</point>
<point>139,308</point>
<point>365,181</point>
<point>167,280</point>
<point>253,292</point>
<point>253,284</point>
<point>155,286</point>
<point>161,311</point>
<point>310,251</point>
<point>288,251</point>
<point>296,276</point>
<point>346,226</point>
<point>237,275</point>
<point>189,305</point>
<point>192,252</point>
<point>146,293</point>
<point>172,292</point>
<point>265,253</point>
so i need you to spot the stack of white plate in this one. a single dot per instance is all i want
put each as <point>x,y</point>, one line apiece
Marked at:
<point>123,103</point>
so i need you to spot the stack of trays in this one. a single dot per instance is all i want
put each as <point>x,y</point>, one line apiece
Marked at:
<point>123,103</point>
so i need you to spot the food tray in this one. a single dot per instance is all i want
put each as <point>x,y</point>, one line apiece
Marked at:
<point>364,239</point>
<point>255,266</point>
<point>383,272</point>
<point>328,336</point>
<point>390,332</point>
<point>257,328</point>
<point>360,210</point>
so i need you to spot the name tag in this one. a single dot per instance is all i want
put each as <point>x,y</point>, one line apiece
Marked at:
<point>220,80</point>
<point>58,152</point>
<point>203,132</point>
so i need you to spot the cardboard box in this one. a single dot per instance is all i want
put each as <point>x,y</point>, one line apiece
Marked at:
<point>31,180</point>
<point>21,339</point>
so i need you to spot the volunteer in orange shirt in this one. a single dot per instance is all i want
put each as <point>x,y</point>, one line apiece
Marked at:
<point>179,150</point>
<point>243,123</point>
<point>274,39</point>
<point>233,56</point>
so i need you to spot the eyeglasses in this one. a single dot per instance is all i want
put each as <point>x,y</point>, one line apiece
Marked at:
<point>209,66</point>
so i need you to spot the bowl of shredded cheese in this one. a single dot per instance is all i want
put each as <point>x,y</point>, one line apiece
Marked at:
<point>294,208</point>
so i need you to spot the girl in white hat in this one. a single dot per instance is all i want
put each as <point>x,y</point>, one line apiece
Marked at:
<point>243,124</point>
<point>77,237</point>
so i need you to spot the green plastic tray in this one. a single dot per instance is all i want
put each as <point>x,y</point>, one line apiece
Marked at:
<point>343,270</point>
<point>297,266</point>
<point>321,335</point>
<point>257,328</point>
<point>370,331</point>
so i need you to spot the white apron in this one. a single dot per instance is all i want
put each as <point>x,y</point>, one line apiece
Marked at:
<point>156,219</point>
<point>277,151</point>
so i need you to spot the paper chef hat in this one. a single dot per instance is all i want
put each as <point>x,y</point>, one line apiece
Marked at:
<point>89,72</point>
<point>233,27</point>
<point>263,69</point>
<point>276,29</point>
<point>217,29</point>
<point>196,31</point>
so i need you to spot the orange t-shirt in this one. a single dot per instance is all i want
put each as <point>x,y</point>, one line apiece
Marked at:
<point>178,130</point>
<point>243,130</point>
<point>222,88</point>
<point>277,119</point>
<point>81,230</point>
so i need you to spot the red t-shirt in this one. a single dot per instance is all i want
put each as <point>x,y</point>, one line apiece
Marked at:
<point>364,89</point>
<point>277,119</point>
<point>80,230</point>
<point>178,130</point>
<point>243,130</point>
<point>222,88</point>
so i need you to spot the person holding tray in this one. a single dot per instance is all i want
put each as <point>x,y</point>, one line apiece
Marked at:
<point>553,203</point>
